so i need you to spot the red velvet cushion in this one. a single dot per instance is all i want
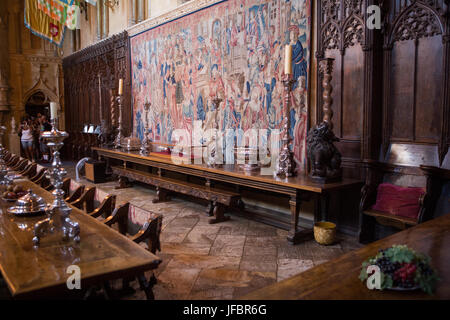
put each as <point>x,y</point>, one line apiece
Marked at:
<point>399,201</point>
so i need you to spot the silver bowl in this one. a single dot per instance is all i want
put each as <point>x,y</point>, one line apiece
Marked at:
<point>29,204</point>
<point>131,144</point>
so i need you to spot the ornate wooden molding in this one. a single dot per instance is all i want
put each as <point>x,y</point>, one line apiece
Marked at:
<point>179,12</point>
<point>416,22</point>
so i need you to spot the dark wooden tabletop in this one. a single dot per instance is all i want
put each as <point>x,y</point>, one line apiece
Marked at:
<point>103,253</point>
<point>301,181</point>
<point>338,279</point>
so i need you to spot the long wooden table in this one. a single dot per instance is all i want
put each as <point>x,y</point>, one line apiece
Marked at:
<point>297,188</point>
<point>103,254</point>
<point>338,279</point>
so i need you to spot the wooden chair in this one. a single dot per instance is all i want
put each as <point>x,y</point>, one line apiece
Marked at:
<point>8,155</point>
<point>427,177</point>
<point>45,183</point>
<point>29,171</point>
<point>20,165</point>
<point>40,172</point>
<point>96,202</point>
<point>13,161</point>
<point>127,216</point>
<point>72,190</point>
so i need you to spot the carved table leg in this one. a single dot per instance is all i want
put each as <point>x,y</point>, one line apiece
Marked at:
<point>295,233</point>
<point>161,195</point>
<point>210,209</point>
<point>123,183</point>
<point>322,204</point>
<point>147,286</point>
<point>219,210</point>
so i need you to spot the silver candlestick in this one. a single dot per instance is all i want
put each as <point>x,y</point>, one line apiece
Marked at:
<point>58,219</point>
<point>3,167</point>
<point>118,141</point>
<point>2,150</point>
<point>286,164</point>
<point>146,146</point>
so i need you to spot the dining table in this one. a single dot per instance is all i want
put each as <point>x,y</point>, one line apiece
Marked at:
<point>338,279</point>
<point>48,269</point>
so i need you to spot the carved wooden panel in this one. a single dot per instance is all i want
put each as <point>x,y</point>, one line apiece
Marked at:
<point>86,99</point>
<point>342,35</point>
<point>416,81</point>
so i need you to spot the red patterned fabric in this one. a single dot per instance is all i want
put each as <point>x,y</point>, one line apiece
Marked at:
<point>399,201</point>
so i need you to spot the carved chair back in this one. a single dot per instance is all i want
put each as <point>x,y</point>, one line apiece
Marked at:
<point>20,165</point>
<point>96,202</point>
<point>72,190</point>
<point>138,223</point>
<point>13,161</point>
<point>30,170</point>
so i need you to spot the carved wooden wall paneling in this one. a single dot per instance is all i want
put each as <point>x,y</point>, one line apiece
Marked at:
<point>390,85</point>
<point>109,59</point>
<point>416,74</point>
<point>342,35</point>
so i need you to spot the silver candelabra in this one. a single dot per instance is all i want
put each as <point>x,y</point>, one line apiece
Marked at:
<point>118,141</point>
<point>58,214</point>
<point>146,146</point>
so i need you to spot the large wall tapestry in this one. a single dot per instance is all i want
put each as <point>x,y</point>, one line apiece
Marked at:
<point>233,50</point>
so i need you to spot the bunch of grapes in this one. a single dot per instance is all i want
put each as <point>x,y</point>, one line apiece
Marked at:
<point>404,276</point>
<point>425,269</point>
<point>387,266</point>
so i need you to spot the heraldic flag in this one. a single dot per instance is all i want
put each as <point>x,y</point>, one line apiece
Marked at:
<point>43,25</point>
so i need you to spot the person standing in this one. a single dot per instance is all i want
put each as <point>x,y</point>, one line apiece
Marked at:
<point>27,139</point>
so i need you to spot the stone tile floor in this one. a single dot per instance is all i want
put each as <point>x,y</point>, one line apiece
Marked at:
<point>220,261</point>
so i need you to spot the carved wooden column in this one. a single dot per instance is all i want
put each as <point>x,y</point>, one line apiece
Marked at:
<point>324,158</point>
<point>112,103</point>
<point>326,69</point>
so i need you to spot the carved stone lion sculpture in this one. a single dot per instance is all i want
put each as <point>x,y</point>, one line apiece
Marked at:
<point>324,158</point>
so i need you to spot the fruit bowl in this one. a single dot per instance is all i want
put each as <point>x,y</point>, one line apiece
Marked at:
<point>13,193</point>
<point>402,269</point>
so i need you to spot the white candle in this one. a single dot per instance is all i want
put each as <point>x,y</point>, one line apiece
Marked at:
<point>288,59</point>
<point>120,87</point>
<point>53,110</point>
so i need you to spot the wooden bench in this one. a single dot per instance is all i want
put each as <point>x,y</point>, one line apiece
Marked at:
<point>218,199</point>
<point>148,225</point>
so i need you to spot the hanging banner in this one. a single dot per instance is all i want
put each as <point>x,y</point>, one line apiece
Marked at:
<point>72,17</point>
<point>41,24</point>
<point>55,9</point>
